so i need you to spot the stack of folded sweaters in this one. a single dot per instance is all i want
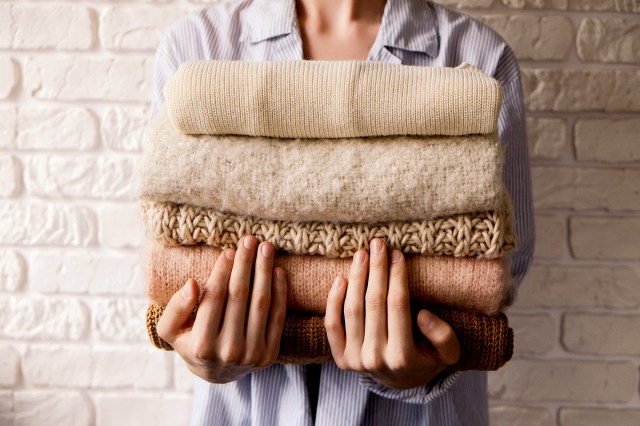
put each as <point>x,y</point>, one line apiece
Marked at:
<point>319,158</point>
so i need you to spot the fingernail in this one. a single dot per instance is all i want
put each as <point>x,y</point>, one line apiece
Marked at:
<point>336,283</point>
<point>395,256</point>
<point>425,319</point>
<point>187,291</point>
<point>248,242</point>
<point>376,245</point>
<point>266,249</point>
<point>230,254</point>
<point>279,274</point>
<point>358,258</point>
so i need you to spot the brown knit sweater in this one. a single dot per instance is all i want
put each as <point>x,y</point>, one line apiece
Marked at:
<point>486,342</point>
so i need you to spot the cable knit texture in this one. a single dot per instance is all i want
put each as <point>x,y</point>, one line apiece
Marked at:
<point>330,99</point>
<point>333,180</point>
<point>464,283</point>
<point>486,343</point>
<point>484,235</point>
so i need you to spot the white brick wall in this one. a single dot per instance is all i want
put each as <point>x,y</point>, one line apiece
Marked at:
<point>75,80</point>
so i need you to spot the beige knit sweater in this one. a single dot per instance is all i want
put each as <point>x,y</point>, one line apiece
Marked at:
<point>330,99</point>
<point>331,180</point>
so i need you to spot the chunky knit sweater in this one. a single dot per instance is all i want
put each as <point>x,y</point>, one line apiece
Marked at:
<point>330,99</point>
<point>484,234</point>
<point>333,180</point>
<point>464,283</point>
<point>486,342</point>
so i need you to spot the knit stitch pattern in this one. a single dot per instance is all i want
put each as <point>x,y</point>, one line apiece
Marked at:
<point>346,180</point>
<point>484,235</point>
<point>465,283</point>
<point>486,343</point>
<point>330,99</point>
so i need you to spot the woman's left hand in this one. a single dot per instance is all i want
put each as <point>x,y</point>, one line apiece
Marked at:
<point>379,339</point>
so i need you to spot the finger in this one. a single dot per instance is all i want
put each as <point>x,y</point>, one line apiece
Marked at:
<point>232,331</point>
<point>178,312</point>
<point>333,319</point>
<point>375,328</point>
<point>207,324</point>
<point>441,336</point>
<point>354,303</point>
<point>398,307</point>
<point>260,300</point>
<point>277,313</point>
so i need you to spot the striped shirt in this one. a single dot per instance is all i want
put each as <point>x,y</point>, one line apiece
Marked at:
<point>412,32</point>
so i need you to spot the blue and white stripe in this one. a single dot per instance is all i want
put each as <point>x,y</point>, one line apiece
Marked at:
<point>413,32</point>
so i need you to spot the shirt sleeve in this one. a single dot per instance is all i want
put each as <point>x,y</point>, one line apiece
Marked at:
<point>166,64</point>
<point>418,395</point>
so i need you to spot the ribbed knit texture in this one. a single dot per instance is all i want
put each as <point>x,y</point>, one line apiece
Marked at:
<point>484,235</point>
<point>330,99</point>
<point>464,283</point>
<point>486,343</point>
<point>333,180</point>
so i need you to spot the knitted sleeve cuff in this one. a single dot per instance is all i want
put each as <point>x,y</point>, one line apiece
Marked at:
<point>418,395</point>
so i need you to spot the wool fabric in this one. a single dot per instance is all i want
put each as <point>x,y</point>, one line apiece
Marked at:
<point>331,180</point>
<point>330,99</point>
<point>464,283</point>
<point>484,235</point>
<point>486,342</point>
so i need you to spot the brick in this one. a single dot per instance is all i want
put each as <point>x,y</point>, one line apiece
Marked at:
<point>582,5</point>
<point>6,408</point>
<point>136,27</point>
<point>33,29</point>
<point>82,78</point>
<point>581,188</point>
<point>46,224</point>
<point>602,139</point>
<point>74,176</point>
<point>96,272</point>
<point>36,407</point>
<point>142,409</point>
<point>182,376</point>
<point>9,80</point>
<point>10,176</point>
<point>121,227</point>
<point>9,366</point>
<point>452,4</point>
<point>560,380</point>
<point>601,334</point>
<point>609,40</point>
<point>598,417</point>
<point>579,287</point>
<point>6,26</point>
<point>613,238</point>
<point>43,318</point>
<point>137,368</point>
<point>57,365</point>
<point>534,334</point>
<point>510,415</point>
<point>122,129</point>
<point>8,126</point>
<point>547,138</point>
<point>551,236</point>
<point>607,90</point>
<point>12,270</point>
<point>119,319</point>
<point>57,129</point>
<point>546,37</point>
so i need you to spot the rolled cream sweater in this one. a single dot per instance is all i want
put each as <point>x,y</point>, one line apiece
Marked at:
<point>484,234</point>
<point>486,342</point>
<point>330,99</point>
<point>329,180</point>
<point>463,283</point>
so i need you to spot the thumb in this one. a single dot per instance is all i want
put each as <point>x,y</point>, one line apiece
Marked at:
<point>441,336</point>
<point>178,311</point>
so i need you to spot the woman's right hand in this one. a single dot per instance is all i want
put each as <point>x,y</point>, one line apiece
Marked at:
<point>226,340</point>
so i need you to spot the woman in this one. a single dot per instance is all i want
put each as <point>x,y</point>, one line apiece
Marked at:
<point>376,378</point>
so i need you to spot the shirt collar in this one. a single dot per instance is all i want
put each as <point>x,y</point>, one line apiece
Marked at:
<point>406,24</point>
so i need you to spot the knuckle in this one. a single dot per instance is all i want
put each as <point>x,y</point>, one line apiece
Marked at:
<point>442,336</point>
<point>201,350</point>
<point>213,294</point>
<point>260,303</point>
<point>372,361</point>
<point>398,301</point>
<point>398,361</point>
<point>353,311</point>
<point>229,354</point>
<point>375,301</point>
<point>238,293</point>
<point>332,325</point>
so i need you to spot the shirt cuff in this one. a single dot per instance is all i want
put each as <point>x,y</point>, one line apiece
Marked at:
<point>418,395</point>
